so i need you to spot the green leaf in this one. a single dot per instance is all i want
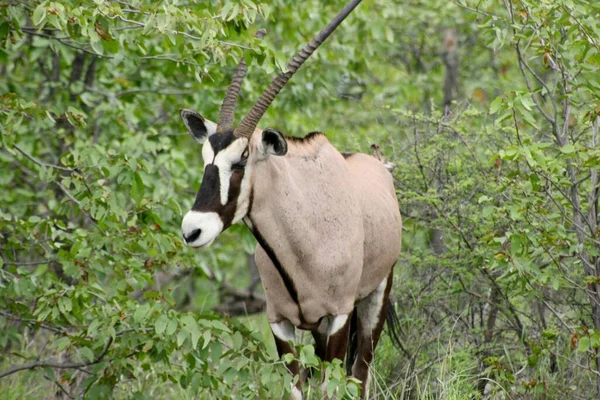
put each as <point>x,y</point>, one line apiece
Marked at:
<point>191,326</point>
<point>65,305</point>
<point>331,387</point>
<point>62,343</point>
<point>234,12</point>
<point>196,382</point>
<point>550,333</point>
<point>516,244</point>
<point>529,118</point>
<point>137,188</point>
<point>352,389</point>
<point>87,353</point>
<point>171,327</point>
<point>111,46</point>
<point>206,336</point>
<point>237,340</point>
<point>567,149</point>
<point>503,117</point>
<point>216,350</point>
<point>181,336</point>
<point>39,15</point>
<point>40,270</point>
<point>595,340</point>
<point>4,29</point>
<point>307,356</point>
<point>495,106</point>
<point>160,325</point>
<point>226,9</point>
<point>220,325</point>
<point>584,344</point>
<point>288,358</point>
<point>141,312</point>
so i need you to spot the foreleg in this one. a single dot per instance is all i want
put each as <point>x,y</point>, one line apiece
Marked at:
<point>284,333</point>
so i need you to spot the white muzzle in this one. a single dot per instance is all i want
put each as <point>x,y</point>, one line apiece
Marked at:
<point>200,229</point>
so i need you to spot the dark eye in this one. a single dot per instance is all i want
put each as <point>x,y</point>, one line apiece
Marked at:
<point>242,163</point>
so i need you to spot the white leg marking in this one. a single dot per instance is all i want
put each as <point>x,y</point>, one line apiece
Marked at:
<point>284,330</point>
<point>322,328</point>
<point>370,307</point>
<point>296,393</point>
<point>336,323</point>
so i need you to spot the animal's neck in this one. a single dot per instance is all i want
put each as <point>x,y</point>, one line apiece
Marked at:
<point>280,184</point>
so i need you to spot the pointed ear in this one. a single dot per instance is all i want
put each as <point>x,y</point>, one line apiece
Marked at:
<point>199,127</point>
<point>272,142</point>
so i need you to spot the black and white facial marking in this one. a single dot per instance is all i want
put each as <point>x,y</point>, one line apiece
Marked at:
<point>223,198</point>
<point>224,195</point>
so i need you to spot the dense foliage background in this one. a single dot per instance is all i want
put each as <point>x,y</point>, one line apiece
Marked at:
<point>488,109</point>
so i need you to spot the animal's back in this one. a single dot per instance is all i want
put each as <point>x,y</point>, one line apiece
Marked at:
<point>382,223</point>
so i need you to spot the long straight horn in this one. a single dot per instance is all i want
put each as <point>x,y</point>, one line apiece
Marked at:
<point>228,107</point>
<point>250,121</point>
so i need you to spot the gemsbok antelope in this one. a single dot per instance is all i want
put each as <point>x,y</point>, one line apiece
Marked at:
<point>327,223</point>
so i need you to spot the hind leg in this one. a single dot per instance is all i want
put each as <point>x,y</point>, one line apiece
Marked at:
<point>371,312</point>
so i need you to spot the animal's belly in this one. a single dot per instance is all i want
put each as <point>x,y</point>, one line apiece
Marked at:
<point>311,295</point>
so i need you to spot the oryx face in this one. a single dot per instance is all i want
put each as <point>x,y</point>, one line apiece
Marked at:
<point>224,195</point>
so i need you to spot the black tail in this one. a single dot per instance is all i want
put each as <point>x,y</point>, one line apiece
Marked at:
<point>394,328</point>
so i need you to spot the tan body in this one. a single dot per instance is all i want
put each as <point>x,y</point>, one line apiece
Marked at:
<point>333,223</point>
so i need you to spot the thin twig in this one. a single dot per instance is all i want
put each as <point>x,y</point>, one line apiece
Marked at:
<point>38,262</point>
<point>56,364</point>
<point>43,325</point>
<point>41,163</point>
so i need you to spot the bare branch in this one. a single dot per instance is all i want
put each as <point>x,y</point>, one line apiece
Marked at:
<point>33,322</point>
<point>56,364</point>
<point>38,262</point>
<point>41,163</point>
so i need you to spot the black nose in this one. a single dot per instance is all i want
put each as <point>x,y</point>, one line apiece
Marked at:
<point>193,236</point>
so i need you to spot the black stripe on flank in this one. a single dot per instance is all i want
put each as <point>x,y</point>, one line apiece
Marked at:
<point>347,155</point>
<point>287,281</point>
